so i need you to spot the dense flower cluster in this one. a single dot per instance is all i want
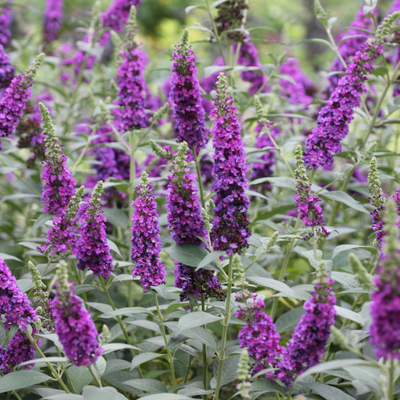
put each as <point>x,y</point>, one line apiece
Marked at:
<point>52,20</point>
<point>230,16</point>
<point>186,96</point>
<point>74,325</point>
<point>396,199</point>
<point>259,334</point>
<point>93,251</point>
<point>248,57</point>
<point>146,244</point>
<point>7,71</point>
<point>349,47</point>
<point>17,311</point>
<point>303,90</point>
<point>310,336</point>
<point>118,13</point>
<point>334,118</point>
<point>59,183</point>
<point>187,225</point>
<point>306,203</point>
<point>5,21</point>
<point>231,222</point>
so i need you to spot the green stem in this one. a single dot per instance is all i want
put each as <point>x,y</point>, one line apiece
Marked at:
<point>186,378</point>
<point>221,354</point>
<point>63,385</point>
<point>199,181</point>
<point>218,39</point>
<point>391,380</point>
<point>83,152</point>
<point>94,376</point>
<point>66,373</point>
<point>290,392</point>
<point>16,395</point>
<point>170,357</point>
<point>205,363</point>
<point>121,324</point>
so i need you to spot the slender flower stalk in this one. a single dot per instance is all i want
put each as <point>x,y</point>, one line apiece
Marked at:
<point>59,183</point>
<point>74,325</point>
<point>309,210</point>
<point>13,102</point>
<point>307,345</point>
<point>52,20</point>
<point>190,126</point>
<point>93,251</point>
<point>231,221</point>
<point>17,311</point>
<point>378,200</point>
<point>7,71</point>
<point>385,306</point>
<point>334,118</point>
<point>187,225</point>
<point>146,244</point>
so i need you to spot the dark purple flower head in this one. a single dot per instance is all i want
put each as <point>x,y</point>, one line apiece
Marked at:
<point>303,90</point>
<point>186,97</point>
<point>378,199</point>
<point>231,221</point>
<point>385,306</point>
<point>187,225</point>
<point>74,325</point>
<point>13,102</point>
<point>117,14</point>
<point>93,251</point>
<point>334,118</point>
<point>133,90</point>
<point>396,199</point>
<point>59,183</point>
<point>7,71</point>
<point>259,334</point>
<point>248,57</point>
<point>52,20</point>
<point>146,244</point>
<point>307,345</point>
<point>15,307</point>
<point>61,237</point>
<point>230,16</point>
<point>5,21</point>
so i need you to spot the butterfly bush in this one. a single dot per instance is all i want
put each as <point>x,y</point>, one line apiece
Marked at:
<point>146,244</point>
<point>117,14</point>
<point>73,323</point>
<point>186,97</point>
<point>230,227</point>
<point>7,71</point>
<point>5,21</point>
<point>52,19</point>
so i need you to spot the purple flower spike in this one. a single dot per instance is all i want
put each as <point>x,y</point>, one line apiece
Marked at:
<point>74,325</point>
<point>307,345</point>
<point>52,20</point>
<point>93,250</point>
<point>59,183</point>
<point>117,14</point>
<point>7,71</point>
<point>5,21</point>
<point>186,97</point>
<point>17,311</point>
<point>334,118</point>
<point>146,244</point>
<point>231,221</point>
<point>185,220</point>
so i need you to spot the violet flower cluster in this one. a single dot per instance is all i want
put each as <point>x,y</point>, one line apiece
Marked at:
<point>396,199</point>
<point>378,200</point>
<point>5,21</point>
<point>52,20</point>
<point>350,47</point>
<point>334,118</point>
<point>186,97</point>
<point>309,210</point>
<point>146,244</point>
<point>73,323</point>
<point>7,71</point>
<point>303,90</point>
<point>117,14</point>
<point>259,334</point>
<point>59,183</point>
<point>93,251</point>
<point>231,221</point>
<point>187,225</point>
<point>17,311</point>
<point>307,345</point>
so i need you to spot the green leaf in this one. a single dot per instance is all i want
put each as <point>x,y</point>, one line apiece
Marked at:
<point>265,386</point>
<point>144,357</point>
<point>201,335</point>
<point>18,196</point>
<point>41,220</point>
<point>80,377</point>
<point>147,385</point>
<point>327,392</point>
<point>272,284</point>
<point>348,314</point>
<point>287,78</point>
<point>195,319</point>
<point>113,247</point>
<point>111,347</point>
<point>105,393</point>
<point>345,247</point>
<point>125,311</point>
<point>54,360</point>
<point>214,69</point>
<point>63,396</point>
<point>167,396</point>
<point>188,254</point>
<point>116,217</point>
<point>281,181</point>
<point>5,256</point>
<point>320,41</point>
<point>210,257</point>
<point>229,371</point>
<point>344,198</point>
<point>25,284</point>
<point>190,8</point>
<point>147,325</point>
<point>289,320</point>
<point>201,28</point>
<point>21,379</point>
